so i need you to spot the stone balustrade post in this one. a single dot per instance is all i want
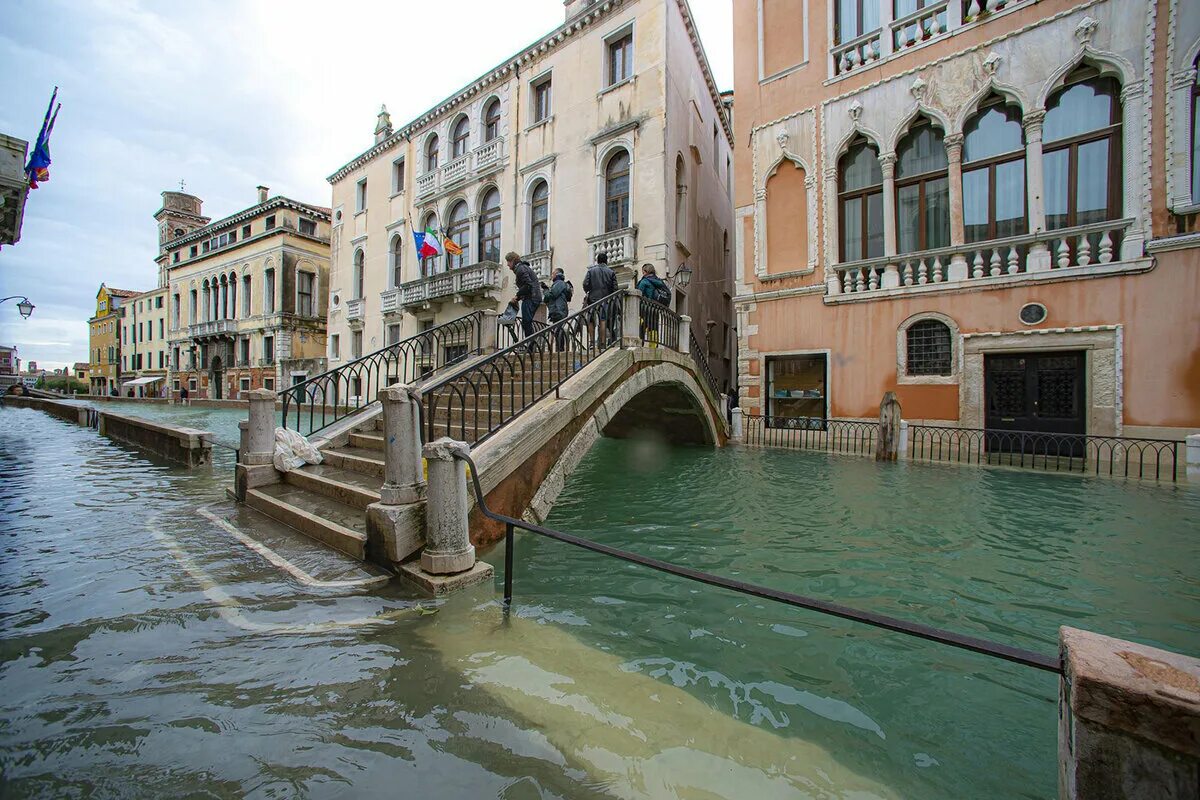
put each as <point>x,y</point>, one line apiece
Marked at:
<point>1192,456</point>
<point>403,482</point>
<point>260,435</point>
<point>737,427</point>
<point>448,547</point>
<point>685,334</point>
<point>1129,720</point>
<point>488,331</point>
<point>631,319</point>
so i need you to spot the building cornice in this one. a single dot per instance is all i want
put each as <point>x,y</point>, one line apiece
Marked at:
<point>279,201</point>
<point>585,19</point>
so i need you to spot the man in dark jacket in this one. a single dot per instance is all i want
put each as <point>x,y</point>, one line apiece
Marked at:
<point>557,300</point>
<point>529,291</point>
<point>599,282</point>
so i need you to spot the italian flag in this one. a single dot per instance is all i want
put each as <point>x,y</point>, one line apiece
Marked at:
<point>427,243</point>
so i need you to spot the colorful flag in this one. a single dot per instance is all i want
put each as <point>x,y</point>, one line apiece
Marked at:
<point>427,243</point>
<point>451,246</point>
<point>38,168</point>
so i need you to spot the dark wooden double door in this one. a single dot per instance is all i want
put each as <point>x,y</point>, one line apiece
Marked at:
<point>1039,393</point>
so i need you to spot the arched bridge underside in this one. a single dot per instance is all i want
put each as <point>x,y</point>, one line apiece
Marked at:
<point>645,392</point>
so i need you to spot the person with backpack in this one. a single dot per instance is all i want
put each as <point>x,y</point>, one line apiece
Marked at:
<point>557,299</point>
<point>653,288</point>
<point>529,291</point>
<point>599,282</point>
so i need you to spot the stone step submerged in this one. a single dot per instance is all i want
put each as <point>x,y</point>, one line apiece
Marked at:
<point>343,485</point>
<point>337,524</point>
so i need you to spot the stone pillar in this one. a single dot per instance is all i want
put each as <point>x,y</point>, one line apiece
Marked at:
<point>1039,256</point>
<point>261,428</point>
<point>487,333</point>
<point>1193,457</point>
<point>957,270</point>
<point>685,334</point>
<point>1129,721</point>
<point>737,427</point>
<point>631,319</point>
<point>887,439</point>
<point>448,547</point>
<point>402,481</point>
<point>887,165</point>
<point>903,448</point>
<point>833,282</point>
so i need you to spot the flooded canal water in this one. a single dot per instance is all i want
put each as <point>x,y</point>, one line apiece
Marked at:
<point>145,651</point>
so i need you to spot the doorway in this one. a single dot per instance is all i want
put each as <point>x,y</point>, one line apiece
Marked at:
<point>1038,392</point>
<point>216,379</point>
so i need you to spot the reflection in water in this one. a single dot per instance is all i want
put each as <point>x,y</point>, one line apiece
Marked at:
<point>123,675</point>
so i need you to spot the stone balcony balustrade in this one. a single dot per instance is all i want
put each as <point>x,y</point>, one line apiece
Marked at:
<point>456,170</point>
<point>620,246</point>
<point>541,261</point>
<point>1076,252</point>
<point>473,281</point>
<point>219,327</point>
<point>463,168</point>
<point>489,153</point>
<point>427,184</point>
<point>389,300</point>
<point>355,309</point>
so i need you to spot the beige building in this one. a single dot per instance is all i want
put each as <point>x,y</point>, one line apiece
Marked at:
<point>145,351</point>
<point>245,295</point>
<point>104,340</point>
<point>607,135</point>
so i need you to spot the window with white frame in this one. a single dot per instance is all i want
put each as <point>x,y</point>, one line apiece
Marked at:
<point>539,218</point>
<point>491,120</point>
<point>335,346</point>
<point>460,139</point>
<point>396,254</point>
<point>269,291</point>
<point>305,293</point>
<point>360,196</point>
<point>619,57</point>
<point>398,176</point>
<point>540,90</point>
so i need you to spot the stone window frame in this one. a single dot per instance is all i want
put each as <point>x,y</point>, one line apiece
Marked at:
<point>763,77</point>
<point>1182,83</point>
<point>610,39</point>
<point>956,350</point>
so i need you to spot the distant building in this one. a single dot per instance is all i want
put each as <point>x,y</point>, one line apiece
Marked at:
<point>145,350</point>
<point>10,363</point>
<point>14,187</point>
<point>246,295</point>
<point>104,339</point>
<point>80,370</point>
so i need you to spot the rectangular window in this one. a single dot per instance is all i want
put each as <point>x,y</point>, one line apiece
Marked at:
<point>175,257</point>
<point>796,396</point>
<point>232,236</point>
<point>270,222</point>
<point>191,384</point>
<point>398,176</point>
<point>175,363</point>
<point>269,292</point>
<point>356,344</point>
<point>161,323</point>
<point>244,351</point>
<point>160,359</point>
<point>360,196</point>
<point>269,384</point>
<point>541,100</point>
<point>175,385</point>
<point>716,160</point>
<point>245,231</point>
<point>855,18</point>
<point>269,349</point>
<point>304,293</point>
<point>244,384</point>
<point>620,58</point>
<point>393,334</point>
<point>335,346</point>
<point>158,302</point>
<point>192,251</point>
<point>308,227</point>
<point>204,246</point>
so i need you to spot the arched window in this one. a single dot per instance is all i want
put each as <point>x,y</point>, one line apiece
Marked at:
<point>233,309</point>
<point>860,202</point>
<point>928,348</point>
<point>397,250</point>
<point>489,226</point>
<point>616,192</point>
<point>429,264</point>
<point>461,137</point>
<point>539,218</point>
<point>993,173</point>
<point>359,269</point>
<point>204,296</point>
<point>431,153</point>
<point>1082,144</point>
<point>922,190</point>
<point>491,120</point>
<point>246,310</point>
<point>459,231</point>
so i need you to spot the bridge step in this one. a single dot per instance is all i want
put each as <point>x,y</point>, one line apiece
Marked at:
<point>357,459</point>
<point>367,441</point>
<point>345,486</point>
<point>338,525</point>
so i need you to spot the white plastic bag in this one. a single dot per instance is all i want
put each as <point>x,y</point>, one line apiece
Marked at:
<point>293,451</point>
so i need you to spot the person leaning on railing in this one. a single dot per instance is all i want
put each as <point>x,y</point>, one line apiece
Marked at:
<point>653,288</point>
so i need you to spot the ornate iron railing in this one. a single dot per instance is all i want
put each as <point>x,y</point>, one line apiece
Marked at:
<point>1061,452</point>
<point>509,333</point>
<point>318,402</point>
<point>474,403</point>
<point>810,433</point>
<point>700,356</point>
<point>658,325</point>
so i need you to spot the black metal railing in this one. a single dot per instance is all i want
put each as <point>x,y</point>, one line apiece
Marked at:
<point>314,404</point>
<point>509,333</point>
<point>1061,452</point>
<point>971,643</point>
<point>472,404</point>
<point>810,433</point>
<point>658,325</point>
<point>700,356</point>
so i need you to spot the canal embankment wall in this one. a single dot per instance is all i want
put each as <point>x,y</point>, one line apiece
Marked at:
<point>187,446</point>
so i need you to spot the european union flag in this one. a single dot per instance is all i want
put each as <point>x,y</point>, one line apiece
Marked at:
<point>38,168</point>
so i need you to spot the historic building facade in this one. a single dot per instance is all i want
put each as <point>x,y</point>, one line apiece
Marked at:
<point>145,351</point>
<point>605,136</point>
<point>245,296</point>
<point>986,206</point>
<point>104,340</point>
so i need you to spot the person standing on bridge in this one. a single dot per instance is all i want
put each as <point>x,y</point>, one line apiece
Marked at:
<point>653,288</point>
<point>529,291</point>
<point>557,299</point>
<point>599,282</point>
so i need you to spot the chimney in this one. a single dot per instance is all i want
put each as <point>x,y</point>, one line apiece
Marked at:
<point>262,194</point>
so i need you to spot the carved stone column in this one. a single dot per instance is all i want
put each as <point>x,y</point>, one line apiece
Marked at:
<point>1039,256</point>
<point>448,547</point>
<point>887,166</point>
<point>403,482</point>
<point>958,261</point>
<point>833,284</point>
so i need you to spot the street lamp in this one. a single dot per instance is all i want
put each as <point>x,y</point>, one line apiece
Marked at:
<point>682,276</point>
<point>25,307</point>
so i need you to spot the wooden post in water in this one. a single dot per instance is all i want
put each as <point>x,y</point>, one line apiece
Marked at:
<point>887,442</point>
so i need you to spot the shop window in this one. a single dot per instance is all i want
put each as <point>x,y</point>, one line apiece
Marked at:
<point>797,391</point>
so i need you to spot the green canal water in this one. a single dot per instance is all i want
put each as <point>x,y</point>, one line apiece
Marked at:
<point>143,652</point>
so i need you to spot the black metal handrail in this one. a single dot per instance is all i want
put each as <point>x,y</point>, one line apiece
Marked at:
<point>810,433</point>
<point>972,643</point>
<point>701,358</point>
<point>658,324</point>
<point>509,333</point>
<point>320,401</point>
<point>473,404</point>
<point>1061,452</point>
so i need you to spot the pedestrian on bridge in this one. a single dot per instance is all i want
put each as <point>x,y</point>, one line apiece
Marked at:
<point>599,282</point>
<point>653,288</point>
<point>529,291</point>
<point>557,300</point>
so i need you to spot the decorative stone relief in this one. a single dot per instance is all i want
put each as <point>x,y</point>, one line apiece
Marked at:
<point>992,63</point>
<point>918,89</point>
<point>782,138</point>
<point>856,109</point>
<point>1085,30</point>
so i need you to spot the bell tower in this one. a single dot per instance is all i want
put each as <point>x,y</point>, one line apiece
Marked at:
<point>180,215</point>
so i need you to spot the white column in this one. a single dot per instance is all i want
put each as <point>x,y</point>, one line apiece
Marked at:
<point>1039,256</point>
<point>448,547</point>
<point>631,319</point>
<point>1135,132</point>
<point>887,42</point>
<point>833,284</point>
<point>887,166</point>
<point>737,429</point>
<point>261,434</point>
<point>1193,457</point>
<point>487,334</point>
<point>685,338</point>
<point>957,270</point>
<point>403,482</point>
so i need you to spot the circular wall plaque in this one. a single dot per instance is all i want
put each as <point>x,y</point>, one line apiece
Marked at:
<point>1033,313</point>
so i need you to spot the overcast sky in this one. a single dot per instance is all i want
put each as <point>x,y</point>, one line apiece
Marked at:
<point>224,95</point>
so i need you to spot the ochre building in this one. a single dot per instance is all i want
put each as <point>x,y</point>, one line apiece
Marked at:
<point>104,340</point>
<point>987,207</point>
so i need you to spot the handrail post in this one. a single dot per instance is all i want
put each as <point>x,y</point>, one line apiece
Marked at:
<point>488,331</point>
<point>260,438</point>
<point>448,547</point>
<point>508,564</point>
<point>403,482</point>
<point>685,330</point>
<point>1193,456</point>
<point>631,319</point>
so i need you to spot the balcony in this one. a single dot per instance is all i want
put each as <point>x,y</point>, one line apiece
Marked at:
<point>215,328</point>
<point>620,246</point>
<point>456,170</point>
<point>461,169</point>
<point>389,301</point>
<point>427,184</point>
<point>489,153</point>
<point>1082,251</point>
<point>542,262</point>
<point>473,281</point>
<point>355,310</point>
